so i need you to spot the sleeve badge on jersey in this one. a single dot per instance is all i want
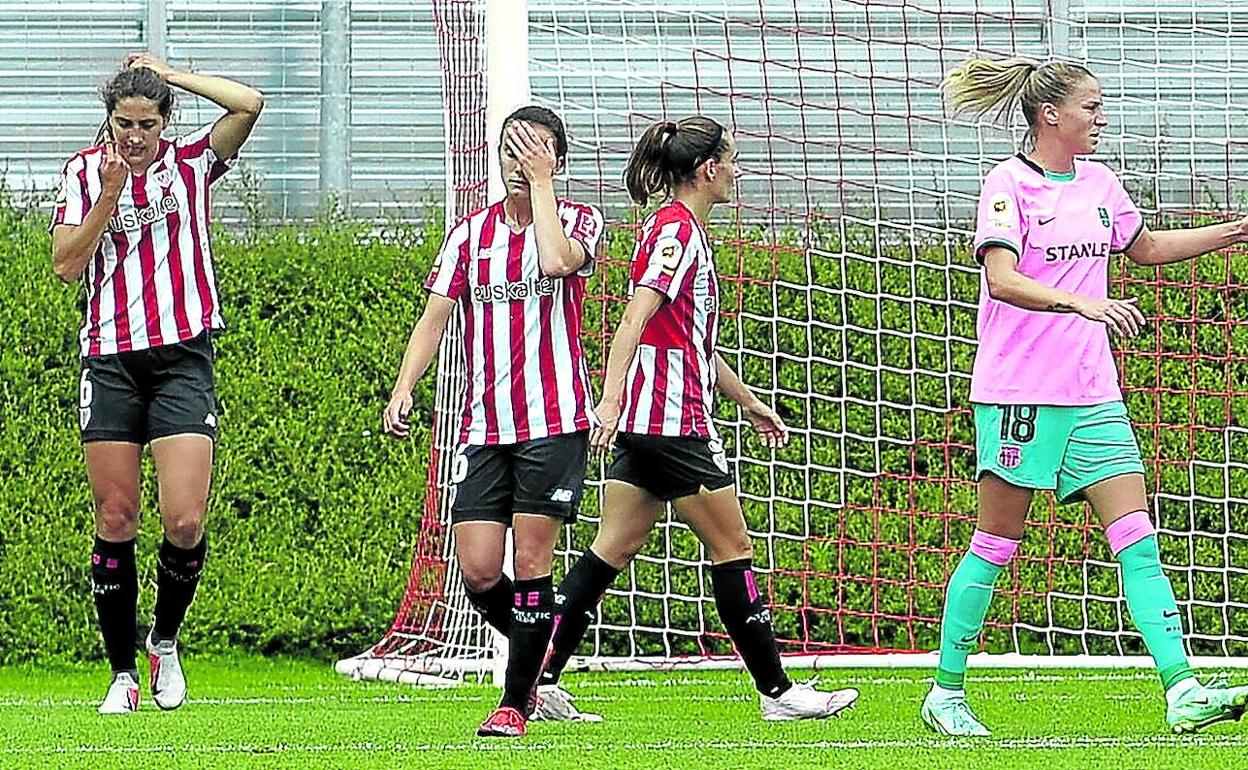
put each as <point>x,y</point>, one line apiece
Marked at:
<point>667,253</point>
<point>585,226</point>
<point>999,207</point>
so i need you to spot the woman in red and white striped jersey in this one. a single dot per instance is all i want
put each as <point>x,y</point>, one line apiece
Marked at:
<point>131,221</point>
<point>657,393</point>
<point>515,273</point>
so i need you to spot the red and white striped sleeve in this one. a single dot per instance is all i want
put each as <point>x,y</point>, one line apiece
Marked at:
<point>449,276</point>
<point>585,225</point>
<point>73,200</point>
<point>663,256</point>
<point>195,148</point>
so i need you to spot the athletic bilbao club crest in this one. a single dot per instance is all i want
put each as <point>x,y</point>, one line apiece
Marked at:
<point>1009,457</point>
<point>1104,212</point>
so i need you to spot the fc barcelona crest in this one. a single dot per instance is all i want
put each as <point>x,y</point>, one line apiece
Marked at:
<point>1009,457</point>
<point>1104,212</point>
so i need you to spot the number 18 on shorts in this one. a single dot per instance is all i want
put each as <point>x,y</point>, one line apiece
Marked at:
<point>1064,448</point>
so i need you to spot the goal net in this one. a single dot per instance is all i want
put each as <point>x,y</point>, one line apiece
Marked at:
<point>850,303</point>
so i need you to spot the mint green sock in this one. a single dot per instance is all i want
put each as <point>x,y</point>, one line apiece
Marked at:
<point>966,606</point>
<point>1151,602</point>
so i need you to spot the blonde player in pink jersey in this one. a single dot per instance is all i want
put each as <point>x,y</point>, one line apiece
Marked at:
<point>515,272</point>
<point>131,221</point>
<point>1048,411</point>
<point>656,410</point>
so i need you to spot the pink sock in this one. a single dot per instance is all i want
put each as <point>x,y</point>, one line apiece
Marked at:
<point>993,548</point>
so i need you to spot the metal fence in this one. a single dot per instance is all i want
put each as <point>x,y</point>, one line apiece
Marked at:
<point>824,93</point>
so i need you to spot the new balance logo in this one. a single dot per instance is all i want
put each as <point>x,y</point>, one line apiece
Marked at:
<point>561,496</point>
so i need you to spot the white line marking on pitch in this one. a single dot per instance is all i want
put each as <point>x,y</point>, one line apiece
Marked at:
<point>1158,742</point>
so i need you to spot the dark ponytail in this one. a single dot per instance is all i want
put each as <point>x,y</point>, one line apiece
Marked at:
<point>670,153</point>
<point>135,81</point>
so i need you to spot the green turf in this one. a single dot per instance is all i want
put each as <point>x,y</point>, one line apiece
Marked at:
<point>259,713</point>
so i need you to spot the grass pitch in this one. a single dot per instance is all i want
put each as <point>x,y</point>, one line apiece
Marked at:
<point>261,713</point>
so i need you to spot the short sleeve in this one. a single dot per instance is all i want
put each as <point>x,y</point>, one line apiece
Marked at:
<point>195,149</point>
<point>585,225</point>
<point>1128,222</point>
<point>998,221</point>
<point>663,257</point>
<point>73,201</point>
<point>449,275</point>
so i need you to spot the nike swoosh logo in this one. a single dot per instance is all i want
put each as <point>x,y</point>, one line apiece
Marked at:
<point>1173,614</point>
<point>1046,221</point>
<point>973,638</point>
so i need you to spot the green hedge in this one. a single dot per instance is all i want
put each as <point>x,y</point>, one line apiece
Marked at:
<point>865,344</point>
<point>314,515</point>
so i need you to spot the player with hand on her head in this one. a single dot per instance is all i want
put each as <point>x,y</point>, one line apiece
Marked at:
<point>515,272</point>
<point>131,220</point>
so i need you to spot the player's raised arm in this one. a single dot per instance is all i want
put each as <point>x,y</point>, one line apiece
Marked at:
<point>242,104</point>
<point>126,207</point>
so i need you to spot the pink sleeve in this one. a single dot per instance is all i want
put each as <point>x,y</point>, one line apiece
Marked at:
<point>998,221</point>
<point>449,275</point>
<point>1128,222</point>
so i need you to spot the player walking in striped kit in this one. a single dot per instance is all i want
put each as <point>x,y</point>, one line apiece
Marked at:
<point>656,410</point>
<point>1048,410</point>
<point>131,220</point>
<point>515,271</point>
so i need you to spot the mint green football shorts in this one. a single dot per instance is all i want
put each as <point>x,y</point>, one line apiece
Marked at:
<point>1064,448</point>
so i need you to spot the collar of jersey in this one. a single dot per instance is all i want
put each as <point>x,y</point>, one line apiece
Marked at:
<point>1052,176</point>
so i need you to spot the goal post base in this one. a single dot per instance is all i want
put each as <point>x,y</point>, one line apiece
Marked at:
<point>432,672</point>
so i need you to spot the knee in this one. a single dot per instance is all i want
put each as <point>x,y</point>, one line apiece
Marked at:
<point>617,552</point>
<point>117,517</point>
<point>184,530</point>
<point>734,549</point>
<point>479,578</point>
<point>531,563</point>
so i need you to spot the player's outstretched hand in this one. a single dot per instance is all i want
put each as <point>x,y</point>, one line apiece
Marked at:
<point>536,158</point>
<point>1241,229</point>
<point>1120,315</point>
<point>394,418</point>
<point>771,429</point>
<point>602,438</point>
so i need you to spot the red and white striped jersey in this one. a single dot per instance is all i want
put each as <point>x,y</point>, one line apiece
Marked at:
<point>151,281</point>
<point>527,377</point>
<point>672,377</point>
